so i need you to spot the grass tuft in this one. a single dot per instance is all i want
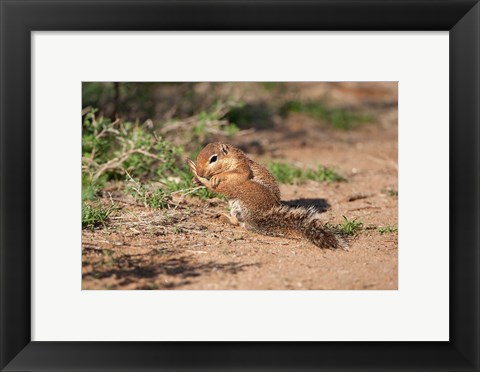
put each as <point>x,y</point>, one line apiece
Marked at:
<point>387,229</point>
<point>94,215</point>
<point>324,174</point>
<point>156,199</point>
<point>347,227</point>
<point>289,174</point>
<point>339,118</point>
<point>392,192</point>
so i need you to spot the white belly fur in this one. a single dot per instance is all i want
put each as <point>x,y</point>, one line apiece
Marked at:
<point>236,209</point>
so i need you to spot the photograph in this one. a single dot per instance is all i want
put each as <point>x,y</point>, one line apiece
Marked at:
<point>239,185</point>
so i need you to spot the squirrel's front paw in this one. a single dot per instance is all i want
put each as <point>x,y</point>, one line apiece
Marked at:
<point>215,181</point>
<point>196,181</point>
<point>193,169</point>
<point>192,166</point>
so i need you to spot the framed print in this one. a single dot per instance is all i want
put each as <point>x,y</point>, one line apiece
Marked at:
<point>156,243</point>
<point>242,204</point>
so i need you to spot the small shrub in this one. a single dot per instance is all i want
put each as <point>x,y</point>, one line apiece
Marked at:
<point>109,148</point>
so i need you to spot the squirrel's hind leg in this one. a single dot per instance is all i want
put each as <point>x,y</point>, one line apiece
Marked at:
<point>235,217</point>
<point>230,219</point>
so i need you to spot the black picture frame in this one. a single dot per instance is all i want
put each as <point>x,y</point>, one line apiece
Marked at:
<point>18,18</point>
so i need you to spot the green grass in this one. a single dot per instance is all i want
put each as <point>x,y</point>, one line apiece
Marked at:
<point>95,214</point>
<point>231,129</point>
<point>392,192</point>
<point>324,174</point>
<point>270,85</point>
<point>182,181</point>
<point>209,122</point>
<point>245,116</point>
<point>289,174</point>
<point>205,193</point>
<point>387,229</point>
<point>160,197</point>
<point>157,198</point>
<point>178,230</point>
<point>339,118</point>
<point>347,227</point>
<point>90,189</point>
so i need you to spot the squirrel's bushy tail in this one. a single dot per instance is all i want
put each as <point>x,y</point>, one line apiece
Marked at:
<point>298,222</point>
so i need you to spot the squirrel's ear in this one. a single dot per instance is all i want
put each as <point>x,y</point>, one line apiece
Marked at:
<point>224,149</point>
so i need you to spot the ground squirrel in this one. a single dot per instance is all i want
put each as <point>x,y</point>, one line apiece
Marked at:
<point>254,196</point>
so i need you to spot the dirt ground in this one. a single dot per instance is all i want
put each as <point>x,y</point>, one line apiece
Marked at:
<point>191,247</point>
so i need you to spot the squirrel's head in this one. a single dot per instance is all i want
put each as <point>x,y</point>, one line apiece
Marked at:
<point>215,158</point>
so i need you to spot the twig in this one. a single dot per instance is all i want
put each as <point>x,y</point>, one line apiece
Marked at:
<point>108,129</point>
<point>245,132</point>
<point>192,251</point>
<point>127,202</point>
<point>364,207</point>
<point>190,190</point>
<point>116,162</point>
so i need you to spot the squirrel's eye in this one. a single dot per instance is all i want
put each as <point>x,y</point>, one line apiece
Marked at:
<point>213,159</point>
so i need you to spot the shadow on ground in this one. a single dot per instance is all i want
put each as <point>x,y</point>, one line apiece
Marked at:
<point>319,205</point>
<point>179,271</point>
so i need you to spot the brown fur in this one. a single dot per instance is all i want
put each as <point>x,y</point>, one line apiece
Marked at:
<point>255,196</point>
<point>297,222</point>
